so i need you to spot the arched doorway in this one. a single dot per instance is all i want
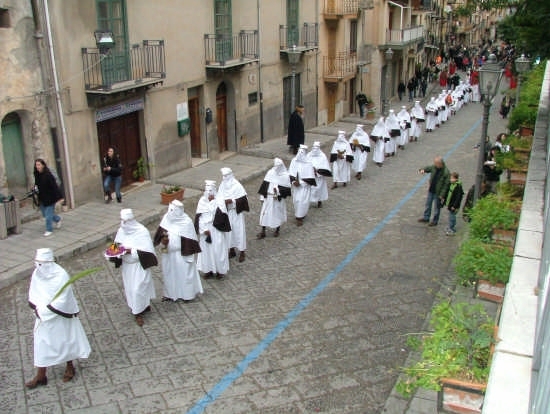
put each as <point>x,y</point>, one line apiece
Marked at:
<point>14,154</point>
<point>221,116</point>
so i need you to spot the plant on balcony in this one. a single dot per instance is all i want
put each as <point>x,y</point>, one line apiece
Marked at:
<point>458,347</point>
<point>477,260</point>
<point>490,212</point>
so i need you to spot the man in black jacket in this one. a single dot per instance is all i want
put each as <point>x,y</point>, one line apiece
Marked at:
<point>296,134</point>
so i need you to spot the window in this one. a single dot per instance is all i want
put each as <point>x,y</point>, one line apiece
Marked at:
<point>353,36</point>
<point>4,18</point>
<point>293,31</point>
<point>252,98</point>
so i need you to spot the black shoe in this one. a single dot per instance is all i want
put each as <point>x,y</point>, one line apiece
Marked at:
<point>119,199</point>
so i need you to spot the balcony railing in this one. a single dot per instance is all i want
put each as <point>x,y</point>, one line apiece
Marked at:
<point>142,64</point>
<point>397,37</point>
<point>222,51</point>
<point>342,66</point>
<point>306,38</point>
<point>339,8</point>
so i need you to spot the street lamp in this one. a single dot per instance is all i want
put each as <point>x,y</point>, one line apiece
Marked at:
<point>522,66</point>
<point>293,59</point>
<point>388,56</point>
<point>489,81</point>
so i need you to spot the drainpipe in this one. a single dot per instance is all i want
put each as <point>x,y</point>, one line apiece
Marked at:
<point>261,97</point>
<point>61,119</point>
<point>317,11</point>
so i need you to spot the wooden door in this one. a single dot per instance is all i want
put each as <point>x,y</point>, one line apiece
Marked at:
<point>221,122</point>
<point>195,132</point>
<point>121,133</point>
<point>14,156</point>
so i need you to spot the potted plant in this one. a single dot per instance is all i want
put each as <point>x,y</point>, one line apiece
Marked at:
<point>454,355</point>
<point>139,172</point>
<point>169,193</point>
<point>485,266</point>
<point>493,212</point>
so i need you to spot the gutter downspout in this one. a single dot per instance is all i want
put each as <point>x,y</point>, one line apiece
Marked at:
<point>68,169</point>
<point>317,11</point>
<point>261,97</point>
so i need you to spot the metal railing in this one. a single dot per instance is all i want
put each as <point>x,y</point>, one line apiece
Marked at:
<point>221,49</point>
<point>142,61</point>
<point>308,37</point>
<point>404,35</point>
<point>340,7</point>
<point>340,66</point>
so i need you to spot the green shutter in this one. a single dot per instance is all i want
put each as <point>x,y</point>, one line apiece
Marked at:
<point>224,30</point>
<point>293,29</point>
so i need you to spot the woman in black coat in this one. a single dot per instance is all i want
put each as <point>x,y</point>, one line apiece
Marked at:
<point>48,194</point>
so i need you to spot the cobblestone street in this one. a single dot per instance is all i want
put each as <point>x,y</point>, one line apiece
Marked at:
<point>313,321</point>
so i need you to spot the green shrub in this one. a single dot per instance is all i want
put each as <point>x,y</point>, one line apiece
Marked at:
<point>459,347</point>
<point>476,260</point>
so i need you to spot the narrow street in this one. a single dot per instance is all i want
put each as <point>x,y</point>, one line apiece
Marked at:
<point>313,321</point>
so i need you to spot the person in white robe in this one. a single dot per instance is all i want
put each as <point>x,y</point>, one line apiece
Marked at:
<point>274,190</point>
<point>341,158</point>
<point>321,166</point>
<point>431,115</point>
<point>405,126</point>
<point>360,147</point>
<point>234,195</point>
<point>214,230</point>
<point>58,333</point>
<point>418,118</point>
<point>378,135</point>
<point>442,108</point>
<point>136,264</point>
<point>302,178</point>
<point>178,243</point>
<point>394,130</point>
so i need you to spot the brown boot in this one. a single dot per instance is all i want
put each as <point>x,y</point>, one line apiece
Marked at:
<point>139,320</point>
<point>69,372</point>
<point>241,257</point>
<point>232,253</point>
<point>39,379</point>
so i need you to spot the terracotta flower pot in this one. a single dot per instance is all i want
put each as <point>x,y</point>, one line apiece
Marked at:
<point>489,291</point>
<point>167,198</point>
<point>460,397</point>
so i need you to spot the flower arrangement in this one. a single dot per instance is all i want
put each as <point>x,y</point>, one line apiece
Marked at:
<point>171,189</point>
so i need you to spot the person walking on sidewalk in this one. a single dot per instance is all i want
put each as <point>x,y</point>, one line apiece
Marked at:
<point>437,189</point>
<point>302,178</point>
<point>233,194</point>
<point>179,243</point>
<point>214,230</point>
<point>453,201</point>
<point>112,168</point>
<point>296,135</point>
<point>58,333</point>
<point>48,193</point>
<point>273,191</point>
<point>138,258</point>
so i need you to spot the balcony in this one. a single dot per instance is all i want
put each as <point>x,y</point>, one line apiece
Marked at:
<point>304,40</point>
<point>401,38</point>
<point>341,67</point>
<point>338,9</point>
<point>231,51</point>
<point>141,65</point>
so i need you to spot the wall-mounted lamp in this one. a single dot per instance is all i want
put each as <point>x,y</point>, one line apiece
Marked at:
<point>104,40</point>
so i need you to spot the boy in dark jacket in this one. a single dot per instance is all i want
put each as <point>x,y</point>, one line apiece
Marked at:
<point>454,199</point>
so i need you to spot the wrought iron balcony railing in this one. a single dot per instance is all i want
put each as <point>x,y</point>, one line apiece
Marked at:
<point>342,66</point>
<point>221,51</point>
<point>397,37</point>
<point>141,64</point>
<point>338,8</point>
<point>306,38</point>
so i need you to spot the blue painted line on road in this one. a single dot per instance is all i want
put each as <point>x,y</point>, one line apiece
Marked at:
<point>239,369</point>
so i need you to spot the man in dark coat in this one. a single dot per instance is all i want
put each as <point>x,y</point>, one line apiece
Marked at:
<point>296,135</point>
